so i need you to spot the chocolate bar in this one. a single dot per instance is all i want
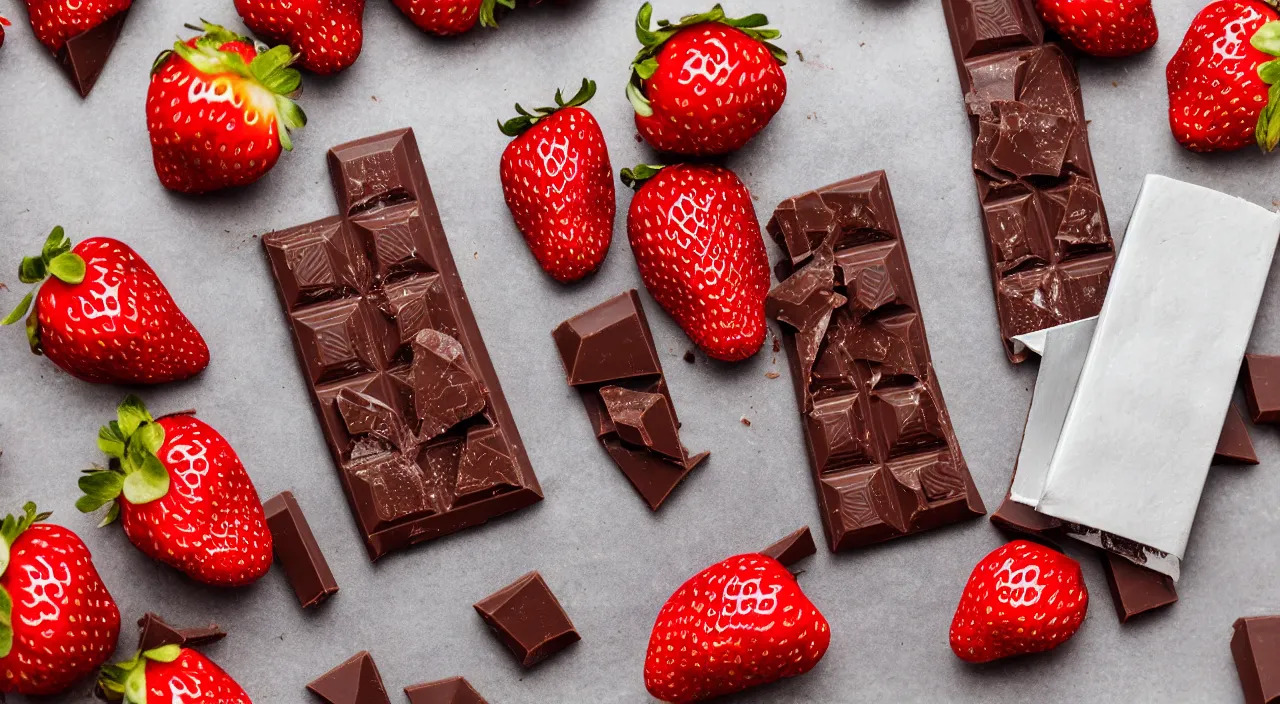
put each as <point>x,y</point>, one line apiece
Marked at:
<point>1234,444</point>
<point>609,357</point>
<point>1135,589</point>
<point>154,632</point>
<point>1048,241</point>
<point>297,550</point>
<point>528,619</point>
<point>355,681</point>
<point>1262,387</point>
<point>884,455</point>
<point>793,548</point>
<point>455,690</point>
<point>407,396</point>
<point>1255,646</point>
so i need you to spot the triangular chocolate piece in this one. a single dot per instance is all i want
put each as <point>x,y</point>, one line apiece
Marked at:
<point>643,419</point>
<point>1234,445</point>
<point>84,55</point>
<point>455,690</point>
<point>355,681</point>
<point>154,632</point>
<point>793,548</point>
<point>1136,589</point>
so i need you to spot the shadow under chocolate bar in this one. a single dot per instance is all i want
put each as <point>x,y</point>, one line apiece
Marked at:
<point>1048,240</point>
<point>884,455</point>
<point>408,399</point>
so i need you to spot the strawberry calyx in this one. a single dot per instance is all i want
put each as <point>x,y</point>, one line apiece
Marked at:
<point>652,41</point>
<point>127,681</point>
<point>638,175</point>
<point>10,528</point>
<point>1267,40</point>
<point>134,470</point>
<point>525,120</point>
<point>55,259</point>
<point>270,69</point>
<point>487,8</point>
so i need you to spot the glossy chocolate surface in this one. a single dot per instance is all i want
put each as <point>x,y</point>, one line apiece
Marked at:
<point>297,550</point>
<point>1234,445</point>
<point>355,681</point>
<point>793,548</point>
<point>455,690</point>
<point>85,55</point>
<point>528,619</point>
<point>154,632</point>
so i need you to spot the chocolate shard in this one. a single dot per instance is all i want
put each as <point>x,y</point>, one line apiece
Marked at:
<point>445,390</point>
<point>355,681</point>
<point>85,55</point>
<point>793,548</point>
<point>1234,445</point>
<point>528,619</point>
<point>643,419</point>
<point>1136,589</point>
<point>1022,519</point>
<point>608,343</point>
<point>298,552</point>
<point>366,415</point>
<point>1262,387</point>
<point>1029,142</point>
<point>154,632</point>
<point>1255,646</point>
<point>485,466</point>
<point>455,690</point>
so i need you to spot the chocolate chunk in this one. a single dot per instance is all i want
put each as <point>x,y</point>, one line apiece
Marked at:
<point>407,395</point>
<point>528,619</point>
<point>793,548</point>
<point>607,343</point>
<point>1022,519</point>
<point>1256,649</point>
<point>355,681</point>
<point>1136,589</point>
<point>1234,445</point>
<point>455,690</point>
<point>154,632</point>
<point>643,419</point>
<point>1262,387</point>
<point>297,550</point>
<point>85,55</point>
<point>1030,143</point>
<point>689,356</point>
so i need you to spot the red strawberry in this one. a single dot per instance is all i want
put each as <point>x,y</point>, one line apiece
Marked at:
<point>558,184</point>
<point>184,496</point>
<point>706,85</point>
<point>170,674</point>
<point>1103,27</point>
<point>104,316</point>
<point>1224,81</point>
<point>449,17</point>
<point>738,624</point>
<point>327,34</point>
<point>219,112</point>
<point>1022,598</point>
<point>56,21</point>
<point>694,234</point>
<point>3,23</point>
<point>57,621</point>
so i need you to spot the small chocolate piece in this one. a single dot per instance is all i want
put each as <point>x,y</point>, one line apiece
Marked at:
<point>609,355</point>
<point>455,690</point>
<point>445,391</point>
<point>154,633</point>
<point>1020,518</point>
<point>85,55</point>
<point>1136,589</point>
<point>1262,387</point>
<point>355,681</point>
<point>1235,445</point>
<point>298,552</point>
<point>1256,649</point>
<point>528,619</point>
<point>690,357</point>
<point>793,548</point>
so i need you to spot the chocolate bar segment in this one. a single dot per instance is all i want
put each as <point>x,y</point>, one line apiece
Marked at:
<point>1048,240</point>
<point>1262,387</point>
<point>154,632</point>
<point>1022,519</point>
<point>297,550</point>
<point>455,690</point>
<point>407,395</point>
<point>1255,646</point>
<point>1234,445</point>
<point>1135,589</point>
<point>609,356</point>
<point>793,548</point>
<point>885,458</point>
<point>528,619</point>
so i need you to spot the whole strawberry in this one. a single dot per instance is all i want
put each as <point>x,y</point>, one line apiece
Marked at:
<point>696,241</point>
<point>219,111</point>
<point>183,495</point>
<point>558,184</point>
<point>738,624</point>
<point>706,85</point>
<point>104,317</point>
<point>170,674</point>
<point>58,623</point>
<point>449,17</point>
<point>1108,28</point>
<point>1224,81</point>
<point>1022,598</point>
<point>56,21</point>
<point>327,34</point>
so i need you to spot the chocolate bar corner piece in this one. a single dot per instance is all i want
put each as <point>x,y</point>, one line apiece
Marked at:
<point>609,356</point>
<point>528,619</point>
<point>1234,444</point>
<point>84,56</point>
<point>298,552</point>
<point>884,455</point>
<point>1019,518</point>
<point>454,690</point>
<point>355,681</point>
<point>793,548</point>
<point>154,632</point>
<point>1262,387</point>
<point>1136,589</point>
<point>407,396</point>
<point>1255,646</point>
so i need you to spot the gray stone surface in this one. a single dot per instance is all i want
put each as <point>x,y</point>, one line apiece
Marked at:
<point>877,89</point>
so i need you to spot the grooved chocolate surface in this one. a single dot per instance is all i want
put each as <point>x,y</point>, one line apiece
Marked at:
<point>1048,240</point>
<point>884,455</point>
<point>407,396</point>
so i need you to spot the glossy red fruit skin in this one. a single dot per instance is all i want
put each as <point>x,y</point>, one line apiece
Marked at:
<point>444,18</point>
<point>329,34</point>
<point>192,674</point>
<point>1105,28</point>
<point>558,183</point>
<point>714,90</point>
<point>119,325</point>
<point>56,21</point>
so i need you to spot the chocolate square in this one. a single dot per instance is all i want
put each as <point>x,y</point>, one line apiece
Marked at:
<point>528,619</point>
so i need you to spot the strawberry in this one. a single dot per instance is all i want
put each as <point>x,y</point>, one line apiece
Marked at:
<point>219,112</point>
<point>170,674</point>
<point>558,184</point>
<point>737,624</point>
<point>706,85</point>
<point>58,623</point>
<point>3,23</point>
<point>1224,81</point>
<point>449,17</point>
<point>1022,598</point>
<point>1103,27</point>
<point>104,317</point>
<point>183,495</point>
<point>694,234</point>
<point>327,34</point>
<point>56,21</point>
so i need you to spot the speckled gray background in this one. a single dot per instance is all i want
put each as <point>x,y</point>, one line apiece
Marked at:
<point>877,90</point>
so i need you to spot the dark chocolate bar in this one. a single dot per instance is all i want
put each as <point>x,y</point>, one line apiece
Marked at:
<point>883,452</point>
<point>609,357</point>
<point>1262,387</point>
<point>1048,240</point>
<point>297,550</point>
<point>1234,444</point>
<point>1135,589</point>
<point>528,619</point>
<point>408,398</point>
<point>1255,646</point>
<point>356,681</point>
<point>455,690</point>
<point>793,548</point>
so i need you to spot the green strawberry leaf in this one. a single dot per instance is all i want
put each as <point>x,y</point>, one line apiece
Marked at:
<point>32,270</point>
<point>4,558</point>
<point>6,623</point>
<point>1268,131</point>
<point>150,436</point>
<point>20,311</point>
<point>56,243</point>
<point>68,267</point>
<point>1267,38</point>
<point>111,441</point>
<point>636,177</point>
<point>112,514</point>
<point>99,488</point>
<point>135,686</point>
<point>487,9</point>
<point>165,653</point>
<point>1269,72</point>
<point>148,482</point>
<point>519,124</point>
<point>639,101</point>
<point>131,414</point>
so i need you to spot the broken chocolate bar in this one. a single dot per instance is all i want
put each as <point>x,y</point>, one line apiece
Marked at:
<point>1136,589</point>
<point>408,398</point>
<point>355,681</point>
<point>455,690</point>
<point>528,619</point>
<point>297,550</point>
<point>885,458</point>
<point>609,357</point>
<point>793,548</point>
<point>1262,387</point>
<point>1255,646</point>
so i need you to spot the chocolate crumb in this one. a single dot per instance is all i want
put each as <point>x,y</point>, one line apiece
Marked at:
<point>777,346</point>
<point>771,375</point>
<point>374,98</point>
<point>3,287</point>
<point>639,138</point>
<point>746,421</point>
<point>689,356</point>
<point>800,54</point>
<point>1115,84</point>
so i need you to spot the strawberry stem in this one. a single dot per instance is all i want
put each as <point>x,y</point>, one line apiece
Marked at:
<point>636,177</point>
<point>56,259</point>
<point>525,120</point>
<point>1267,40</point>
<point>10,528</point>
<point>127,680</point>
<point>131,441</point>
<point>487,8</point>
